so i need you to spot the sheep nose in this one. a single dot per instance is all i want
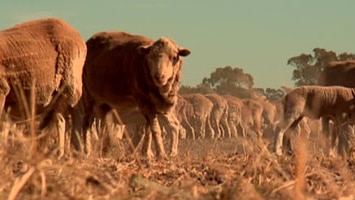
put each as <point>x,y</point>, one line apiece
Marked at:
<point>159,78</point>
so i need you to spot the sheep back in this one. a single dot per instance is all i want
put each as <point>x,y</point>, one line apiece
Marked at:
<point>318,101</point>
<point>46,53</point>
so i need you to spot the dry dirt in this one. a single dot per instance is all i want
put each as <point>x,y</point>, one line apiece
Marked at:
<point>240,168</point>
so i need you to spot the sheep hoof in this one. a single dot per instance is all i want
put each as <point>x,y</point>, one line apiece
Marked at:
<point>173,154</point>
<point>163,157</point>
<point>149,155</point>
<point>278,152</point>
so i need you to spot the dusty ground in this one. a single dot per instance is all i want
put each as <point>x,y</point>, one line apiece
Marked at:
<point>205,169</point>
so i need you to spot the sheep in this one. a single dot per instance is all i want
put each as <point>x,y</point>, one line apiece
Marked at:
<point>269,112</point>
<point>200,118</point>
<point>219,115</point>
<point>252,112</point>
<point>268,115</point>
<point>111,126</point>
<point>41,59</point>
<point>183,111</point>
<point>314,102</point>
<point>234,114</point>
<point>124,71</point>
<point>336,73</point>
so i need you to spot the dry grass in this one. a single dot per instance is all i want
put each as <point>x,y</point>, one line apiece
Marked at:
<point>205,169</point>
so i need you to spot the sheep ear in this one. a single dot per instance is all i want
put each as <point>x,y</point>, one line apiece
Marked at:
<point>184,52</point>
<point>353,92</point>
<point>144,49</point>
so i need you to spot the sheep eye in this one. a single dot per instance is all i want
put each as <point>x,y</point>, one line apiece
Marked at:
<point>175,59</point>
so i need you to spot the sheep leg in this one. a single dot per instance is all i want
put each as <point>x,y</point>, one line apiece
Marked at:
<point>242,129</point>
<point>110,131</point>
<point>2,105</point>
<point>291,122</point>
<point>194,128</point>
<point>235,125</point>
<point>344,137</point>
<point>278,141</point>
<point>147,142</point>
<point>182,132</point>
<point>307,129</point>
<point>334,139</point>
<point>4,91</point>
<point>330,133</point>
<point>4,124</point>
<point>87,123</point>
<point>214,125</point>
<point>208,126</point>
<point>225,127</point>
<point>221,129</point>
<point>188,127</point>
<point>257,129</point>
<point>60,126</point>
<point>76,124</point>
<point>158,140</point>
<point>93,112</point>
<point>173,124</point>
<point>200,127</point>
<point>297,132</point>
<point>191,128</point>
<point>233,128</point>
<point>325,126</point>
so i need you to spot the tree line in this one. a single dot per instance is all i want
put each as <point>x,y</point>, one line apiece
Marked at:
<point>234,81</point>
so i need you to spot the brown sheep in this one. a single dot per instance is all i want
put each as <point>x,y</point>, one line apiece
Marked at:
<point>336,73</point>
<point>219,115</point>
<point>47,55</point>
<point>269,112</point>
<point>124,71</point>
<point>314,102</point>
<point>252,111</point>
<point>234,114</point>
<point>268,115</point>
<point>183,108</point>
<point>200,118</point>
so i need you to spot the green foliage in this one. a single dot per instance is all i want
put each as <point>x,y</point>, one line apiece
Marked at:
<point>228,80</point>
<point>229,77</point>
<point>270,93</point>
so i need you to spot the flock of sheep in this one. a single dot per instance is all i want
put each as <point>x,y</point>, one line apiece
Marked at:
<point>49,72</point>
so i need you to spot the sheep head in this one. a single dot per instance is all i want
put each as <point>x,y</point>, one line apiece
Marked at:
<point>163,60</point>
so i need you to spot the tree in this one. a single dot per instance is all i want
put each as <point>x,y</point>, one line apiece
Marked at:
<point>274,94</point>
<point>231,81</point>
<point>269,93</point>
<point>308,67</point>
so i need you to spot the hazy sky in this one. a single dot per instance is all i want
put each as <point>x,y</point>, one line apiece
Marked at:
<point>256,35</point>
